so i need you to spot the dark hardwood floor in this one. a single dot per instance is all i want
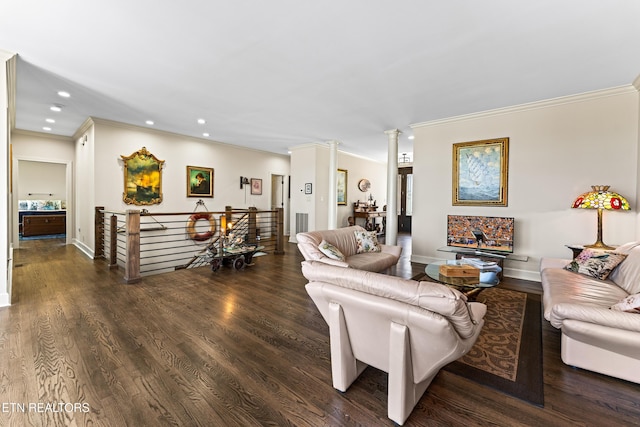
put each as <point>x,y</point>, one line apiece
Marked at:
<point>231,348</point>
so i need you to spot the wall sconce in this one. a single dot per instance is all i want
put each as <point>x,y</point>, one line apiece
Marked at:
<point>243,181</point>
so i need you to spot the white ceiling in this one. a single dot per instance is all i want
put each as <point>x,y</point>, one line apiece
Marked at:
<point>280,73</point>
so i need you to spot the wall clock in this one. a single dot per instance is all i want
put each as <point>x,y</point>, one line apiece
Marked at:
<point>364,185</point>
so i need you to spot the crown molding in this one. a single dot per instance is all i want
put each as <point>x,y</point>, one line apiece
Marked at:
<point>84,127</point>
<point>636,83</point>
<point>11,89</point>
<point>42,135</point>
<point>325,146</point>
<point>96,121</point>
<point>570,99</point>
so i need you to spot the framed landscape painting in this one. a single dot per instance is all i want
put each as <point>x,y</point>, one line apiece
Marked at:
<point>199,181</point>
<point>142,178</point>
<point>480,172</point>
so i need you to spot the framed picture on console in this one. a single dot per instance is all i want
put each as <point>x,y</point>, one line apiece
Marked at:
<point>480,172</point>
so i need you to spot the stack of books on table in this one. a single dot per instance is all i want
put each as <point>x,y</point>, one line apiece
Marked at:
<point>480,264</point>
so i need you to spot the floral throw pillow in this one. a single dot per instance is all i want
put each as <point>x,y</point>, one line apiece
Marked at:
<point>331,251</point>
<point>367,241</point>
<point>595,264</point>
<point>630,304</point>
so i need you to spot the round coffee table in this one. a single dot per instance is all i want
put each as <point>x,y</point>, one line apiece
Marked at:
<point>469,286</point>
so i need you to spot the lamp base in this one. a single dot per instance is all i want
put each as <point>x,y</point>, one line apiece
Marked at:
<point>599,245</point>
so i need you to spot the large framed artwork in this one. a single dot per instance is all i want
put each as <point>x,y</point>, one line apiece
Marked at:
<point>480,172</point>
<point>199,181</point>
<point>142,178</point>
<point>341,183</point>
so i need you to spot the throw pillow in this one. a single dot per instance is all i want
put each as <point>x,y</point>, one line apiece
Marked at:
<point>331,251</point>
<point>630,304</point>
<point>595,264</point>
<point>367,241</point>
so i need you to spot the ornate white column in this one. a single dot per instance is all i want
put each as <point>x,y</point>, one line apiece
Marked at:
<point>391,230</point>
<point>332,197</point>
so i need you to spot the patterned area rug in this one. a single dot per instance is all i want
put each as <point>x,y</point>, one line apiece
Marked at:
<point>508,353</point>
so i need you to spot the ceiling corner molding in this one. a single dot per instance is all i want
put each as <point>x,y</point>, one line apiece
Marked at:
<point>11,88</point>
<point>636,83</point>
<point>44,135</point>
<point>84,127</point>
<point>604,93</point>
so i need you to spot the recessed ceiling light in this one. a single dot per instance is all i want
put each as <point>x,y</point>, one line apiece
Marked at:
<point>201,121</point>
<point>205,134</point>
<point>149,122</point>
<point>64,94</point>
<point>49,120</point>
<point>47,128</point>
<point>56,108</point>
<point>411,136</point>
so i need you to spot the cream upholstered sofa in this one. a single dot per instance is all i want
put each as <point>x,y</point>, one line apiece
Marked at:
<point>406,328</point>
<point>344,239</point>
<point>595,336</point>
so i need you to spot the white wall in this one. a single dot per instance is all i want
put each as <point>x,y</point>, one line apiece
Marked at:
<point>310,164</point>
<point>107,141</point>
<point>303,171</point>
<point>41,181</point>
<point>558,149</point>
<point>357,169</point>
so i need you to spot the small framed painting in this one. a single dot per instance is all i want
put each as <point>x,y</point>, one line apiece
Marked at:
<point>199,181</point>
<point>341,183</point>
<point>256,186</point>
<point>480,172</point>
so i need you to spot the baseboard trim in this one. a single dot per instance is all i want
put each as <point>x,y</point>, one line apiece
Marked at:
<point>84,248</point>
<point>4,300</point>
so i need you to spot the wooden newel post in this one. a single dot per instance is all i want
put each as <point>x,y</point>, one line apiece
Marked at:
<point>253,217</point>
<point>279,232</point>
<point>113,242</point>
<point>98,232</point>
<point>132,258</point>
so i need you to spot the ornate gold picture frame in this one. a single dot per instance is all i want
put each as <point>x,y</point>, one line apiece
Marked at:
<point>480,172</point>
<point>142,178</point>
<point>199,181</point>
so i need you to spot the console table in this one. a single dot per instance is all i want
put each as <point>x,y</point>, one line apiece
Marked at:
<point>370,215</point>
<point>41,225</point>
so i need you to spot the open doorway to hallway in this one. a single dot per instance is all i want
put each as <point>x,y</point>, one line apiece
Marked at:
<point>40,200</point>
<point>280,196</point>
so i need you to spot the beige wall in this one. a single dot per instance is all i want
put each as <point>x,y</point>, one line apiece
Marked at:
<point>558,149</point>
<point>309,164</point>
<point>42,181</point>
<point>100,173</point>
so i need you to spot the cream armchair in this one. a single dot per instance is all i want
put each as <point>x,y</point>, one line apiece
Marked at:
<point>406,328</point>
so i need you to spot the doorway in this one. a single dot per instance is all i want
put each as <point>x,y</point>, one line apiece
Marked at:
<point>41,196</point>
<point>405,199</point>
<point>280,198</point>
